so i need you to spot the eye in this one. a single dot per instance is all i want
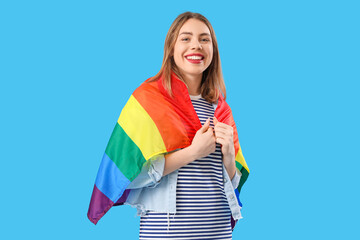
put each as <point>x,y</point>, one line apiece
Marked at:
<point>185,39</point>
<point>205,40</point>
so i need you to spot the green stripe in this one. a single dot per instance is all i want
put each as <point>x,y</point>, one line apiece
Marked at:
<point>125,153</point>
<point>244,175</point>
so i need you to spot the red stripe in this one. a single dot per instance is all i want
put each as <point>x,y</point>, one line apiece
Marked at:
<point>182,105</point>
<point>223,114</point>
<point>236,136</point>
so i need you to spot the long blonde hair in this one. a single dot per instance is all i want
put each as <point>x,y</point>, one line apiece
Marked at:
<point>212,83</point>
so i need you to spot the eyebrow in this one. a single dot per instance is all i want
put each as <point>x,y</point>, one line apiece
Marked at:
<point>190,33</point>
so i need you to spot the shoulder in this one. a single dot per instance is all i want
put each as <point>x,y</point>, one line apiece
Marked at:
<point>147,87</point>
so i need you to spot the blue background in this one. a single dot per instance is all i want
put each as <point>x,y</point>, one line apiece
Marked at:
<point>292,74</point>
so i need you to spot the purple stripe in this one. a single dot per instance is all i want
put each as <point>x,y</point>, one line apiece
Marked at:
<point>233,223</point>
<point>99,205</point>
<point>123,198</point>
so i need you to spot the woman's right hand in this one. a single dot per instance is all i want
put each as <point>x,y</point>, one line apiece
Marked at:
<point>204,141</point>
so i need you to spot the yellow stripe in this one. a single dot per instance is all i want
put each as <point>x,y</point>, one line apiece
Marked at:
<point>138,125</point>
<point>240,158</point>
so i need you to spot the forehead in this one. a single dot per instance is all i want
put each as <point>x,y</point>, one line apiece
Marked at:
<point>194,26</point>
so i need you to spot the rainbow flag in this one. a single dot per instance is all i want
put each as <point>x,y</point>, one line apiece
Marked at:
<point>151,123</point>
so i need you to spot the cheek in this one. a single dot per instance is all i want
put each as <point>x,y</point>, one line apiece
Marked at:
<point>210,54</point>
<point>178,52</point>
<point>177,57</point>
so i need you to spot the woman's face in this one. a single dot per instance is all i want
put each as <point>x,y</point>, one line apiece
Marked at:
<point>193,49</point>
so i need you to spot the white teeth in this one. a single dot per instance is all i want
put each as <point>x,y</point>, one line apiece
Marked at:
<point>194,57</point>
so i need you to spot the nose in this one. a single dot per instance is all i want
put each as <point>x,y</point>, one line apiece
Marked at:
<point>196,45</point>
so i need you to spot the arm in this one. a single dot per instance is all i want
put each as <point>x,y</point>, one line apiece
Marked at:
<point>151,173</point>
<point>176,160</point>
<point>230,168</point>
<point>236,179</point>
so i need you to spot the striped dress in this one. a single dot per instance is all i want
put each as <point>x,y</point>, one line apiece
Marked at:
<point>202,210</point>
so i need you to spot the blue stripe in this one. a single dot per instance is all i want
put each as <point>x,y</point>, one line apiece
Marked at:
<point>180,225</point>
<point>221,216</point>
<point>110,181</point>
<point>144,222</point>
<point>238,197</point>
<point>207,197</point>
<point>193,228</point>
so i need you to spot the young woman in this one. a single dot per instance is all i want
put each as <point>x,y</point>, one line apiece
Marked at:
<point>191,169</point>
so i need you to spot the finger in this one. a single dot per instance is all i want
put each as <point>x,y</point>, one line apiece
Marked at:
<point>210,131</point>
<point>224,136</point>
<point>220,140</point>
<point>215,121</point>
<point>224,132</point>
<point>206,125</point>
<point>223,141</point>
<point>224,127</point>
<point>219,134</point>
<point>219,130</point>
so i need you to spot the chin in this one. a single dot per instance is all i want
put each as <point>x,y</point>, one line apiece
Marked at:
<point>195,71</point>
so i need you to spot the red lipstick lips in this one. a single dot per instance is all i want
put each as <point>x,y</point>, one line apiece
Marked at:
<point>195,58</point>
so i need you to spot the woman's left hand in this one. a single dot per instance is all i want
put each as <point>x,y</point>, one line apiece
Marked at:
<point>224,134</point>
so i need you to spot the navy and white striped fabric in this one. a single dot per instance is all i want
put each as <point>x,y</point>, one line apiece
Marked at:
<point>202,211</point>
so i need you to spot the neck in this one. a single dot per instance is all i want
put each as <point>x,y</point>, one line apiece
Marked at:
<point>193,83</point>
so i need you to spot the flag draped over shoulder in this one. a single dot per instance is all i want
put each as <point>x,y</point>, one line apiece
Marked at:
<point>151,123</point>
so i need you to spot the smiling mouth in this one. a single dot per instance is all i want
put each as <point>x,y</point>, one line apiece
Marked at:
<point>194,57</point>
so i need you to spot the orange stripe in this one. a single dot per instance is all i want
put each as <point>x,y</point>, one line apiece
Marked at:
<point>162,113</point>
